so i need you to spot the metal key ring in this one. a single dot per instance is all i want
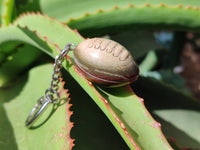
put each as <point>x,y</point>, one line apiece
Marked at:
<point>40,107</point>
<point>48,97</point>
<point>37,111</point>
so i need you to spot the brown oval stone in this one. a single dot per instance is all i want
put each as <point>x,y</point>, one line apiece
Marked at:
<point>105,62</point>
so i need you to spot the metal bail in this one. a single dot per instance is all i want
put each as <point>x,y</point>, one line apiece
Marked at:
<point>36,112</point>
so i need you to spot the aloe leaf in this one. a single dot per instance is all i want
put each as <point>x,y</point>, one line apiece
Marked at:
<point>1,9</point>
<point>148,63</point>
<point>125,127</point>
<point>16,103</point>
<point>2,56</point>
<point>182,124</point>
<point>43,27</point>
<point>147,14</point>
<point>17,62</point>
<point>64,9</point>
<point>6,11</point>
<point>26,36</point>
<point>91,130</point>
<point>7,49</point>
<point>11,69</point>
<point>46,26</point>
<point>123,108</point>
<point>177,111</point>
<point>176,80</point>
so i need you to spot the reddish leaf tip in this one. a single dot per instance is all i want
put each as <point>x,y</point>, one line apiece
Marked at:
<point>106,101</point>
<point>196,8</point>
<point>71,113</point>
<point>71,19</point>
<point>66,91</point>
<point>147,4</point>
<point>188,7</point>
<point>57,46</point>
<point>130,5</point>
<point>63,23</point>
<point>162,4</point>
<point>141,100</point>
<point>32,13</point>
<point>45,38</point>
<point>99,10</point>
<point>115,7</point>
<point>69,105</point>
<point>90,83</point>
<point>75,30</point>
<point>86,14</point>
<point>179,6</point>
<point>38,13</point>
<point>68,94</point>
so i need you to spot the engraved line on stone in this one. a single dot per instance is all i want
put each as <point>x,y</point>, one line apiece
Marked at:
<point>95,41</point>
<point>124,55</point>
<point>98,43</point>
<point>109,74</point>
<point>118,50</point>
<point>104,44</point>
<point>108,47</point>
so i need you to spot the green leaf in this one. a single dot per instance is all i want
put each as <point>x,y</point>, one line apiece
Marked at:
<point>176,110</point>
<point>10,69</point>
<point>182,124</point>
<point>138,122</point>
<point>16,103</point>
<point>148,63</point>
<point>6,11</point>
<point>18,62</point>
<point>50,29</point>
<point>66,9</point>
<point>1,5</point>
<point>26,36</point>
<point>92,18</point>
<point>91,130</point>
<point>176,80</point>
<point>8,48</point>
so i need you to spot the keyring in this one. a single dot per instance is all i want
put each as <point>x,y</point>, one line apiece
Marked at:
<point>48,97</point>
<point>37,111</point>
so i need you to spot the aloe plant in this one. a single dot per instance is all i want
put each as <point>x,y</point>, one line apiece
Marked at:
<point>103,118</point>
